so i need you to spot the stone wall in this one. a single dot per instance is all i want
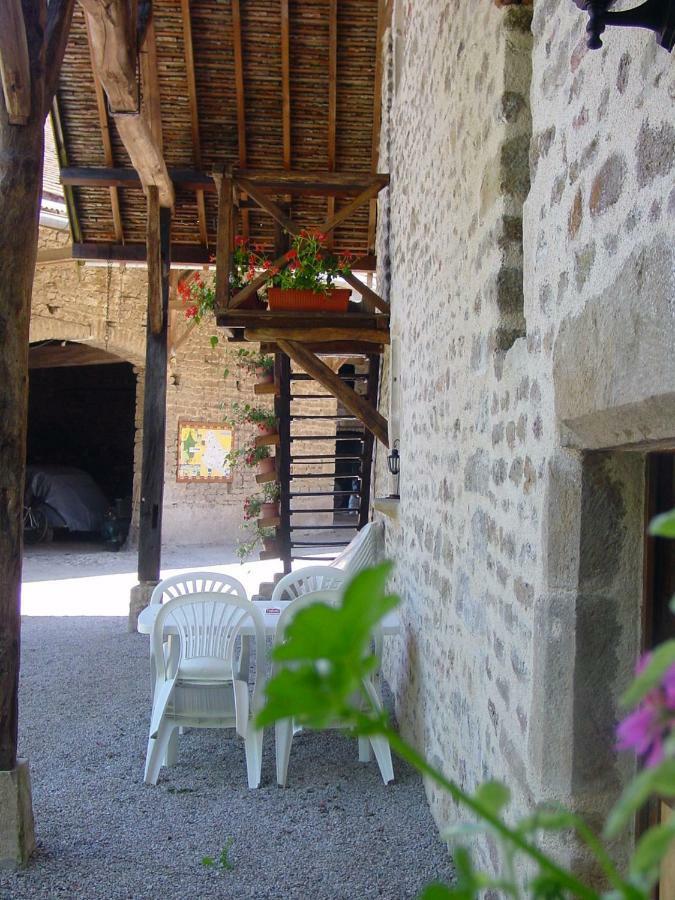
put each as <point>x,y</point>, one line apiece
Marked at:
<point>533,302</point>
<point>105,307</point>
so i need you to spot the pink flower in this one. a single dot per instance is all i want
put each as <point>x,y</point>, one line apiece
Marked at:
<point>645,729</point>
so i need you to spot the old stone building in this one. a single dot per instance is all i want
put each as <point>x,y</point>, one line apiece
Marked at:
<point>526,242</point>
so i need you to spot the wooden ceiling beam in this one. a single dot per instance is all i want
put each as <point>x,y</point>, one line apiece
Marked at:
<point>194,114</point>
<point>113,41</point>
<point>107,143</point>
<point>359,406</point>
<point>332,101</point>
<point>316,184</point>
<point>14,62</point>
<point>240,92</point>
<point>382,17</point>
<point>286,84</point>
<point>185,255</point>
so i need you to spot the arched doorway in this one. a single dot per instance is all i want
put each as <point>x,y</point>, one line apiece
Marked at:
<point>81,416</point>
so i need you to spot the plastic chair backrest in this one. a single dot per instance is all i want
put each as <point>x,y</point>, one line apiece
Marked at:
<point>309,579</point>
<point>208,625</point>
<point>364,550</point>
<point>188,583</point>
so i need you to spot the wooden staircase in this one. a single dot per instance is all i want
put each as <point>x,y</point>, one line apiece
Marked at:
<point>325,492</point>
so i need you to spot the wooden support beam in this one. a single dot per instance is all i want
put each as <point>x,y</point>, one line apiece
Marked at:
<point>361,408</point>
<point>194,113</point>
<point>240,92</point>
<point>367,292</point>
<point>372,190</point>
<point>286,84</point>
<point>113,42</point>
<point>265,202</point>
<point>318,184</point>
<point>224,239</point>
<point>51,255</point>
<point>185,255</point>
<point>155,316</point>
<point>151,102</point>
<point>14,62</point>
<point>62,154</point>
<point>332,101</point>
<point>377,116</point>
<point>154,426</point>
<point>318,335</point>
<point>107,143</point>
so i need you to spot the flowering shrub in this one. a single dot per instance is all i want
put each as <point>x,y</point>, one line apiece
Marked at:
<point>197,295</point>
<point>253,504</point>
<point>310,267</point>
<point>254,538</point>
<point>247,414</point>
<point>248,456</point>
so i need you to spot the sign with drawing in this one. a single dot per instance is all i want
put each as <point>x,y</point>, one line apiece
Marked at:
<point>202,451</point>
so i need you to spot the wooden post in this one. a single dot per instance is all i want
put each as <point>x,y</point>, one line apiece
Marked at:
<point>154,261</point>
<point>282,410</point>
<point>368,440</point>
<point>154,425</point>
<point>224,239</point>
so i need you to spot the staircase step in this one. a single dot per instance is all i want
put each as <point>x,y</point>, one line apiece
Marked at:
<point>323,527</point>
<point>306,512</point>
<point>268,387</point>
<point>321,437</point>
<point>267,440</point>
<point>317,544</point>
<point>323,475</point>
<point>314,456</point>
<point>305,418</point>
<point>266,477</point>
<point>301,376</point>
<point>321,493</point>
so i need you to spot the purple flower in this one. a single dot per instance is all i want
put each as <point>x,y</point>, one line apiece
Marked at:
<point>645,729</point>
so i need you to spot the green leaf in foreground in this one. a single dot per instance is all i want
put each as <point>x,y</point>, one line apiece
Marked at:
<point>327,655</point>
<point>663,525</point>
<point>659,780</point>
<point>651,849</point>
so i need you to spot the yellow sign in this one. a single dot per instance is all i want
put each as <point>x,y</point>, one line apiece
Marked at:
<point>202,451</point>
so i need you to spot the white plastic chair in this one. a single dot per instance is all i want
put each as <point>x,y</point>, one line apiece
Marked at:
<point>204,689</point>
<point>365,549</point>
<point>195,583</point>
<point>285,728</point>
<point>309,579</point>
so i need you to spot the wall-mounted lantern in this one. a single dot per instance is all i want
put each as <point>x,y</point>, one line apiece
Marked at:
<point>394,464</point>
<point>656,15</point>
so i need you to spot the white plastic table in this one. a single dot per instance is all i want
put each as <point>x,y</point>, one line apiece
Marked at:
<point>391,624</point>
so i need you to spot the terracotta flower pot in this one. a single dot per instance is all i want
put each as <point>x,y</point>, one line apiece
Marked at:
<point>269,510</point>
<point>266,465</point>
<point>264,376</point>
<point>336,300</point>
<point>270,544</point>
<point>266,429</point>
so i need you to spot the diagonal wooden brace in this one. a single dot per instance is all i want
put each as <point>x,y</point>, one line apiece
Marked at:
<point>356,404</point>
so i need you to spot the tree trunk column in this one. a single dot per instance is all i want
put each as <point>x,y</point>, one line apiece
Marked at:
<point>154,438</point>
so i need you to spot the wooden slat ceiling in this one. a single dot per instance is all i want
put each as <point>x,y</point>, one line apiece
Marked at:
<point>311,111</point>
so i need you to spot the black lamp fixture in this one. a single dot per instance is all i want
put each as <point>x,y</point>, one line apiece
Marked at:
<point>656,15</point>
<point>394,464</point>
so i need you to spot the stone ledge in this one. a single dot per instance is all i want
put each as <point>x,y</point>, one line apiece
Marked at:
<point>388,506</point>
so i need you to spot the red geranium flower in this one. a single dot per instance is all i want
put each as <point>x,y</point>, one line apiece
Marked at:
<point>191,312</point>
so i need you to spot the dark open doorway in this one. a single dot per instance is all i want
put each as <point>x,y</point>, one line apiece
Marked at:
<point>81,415</point>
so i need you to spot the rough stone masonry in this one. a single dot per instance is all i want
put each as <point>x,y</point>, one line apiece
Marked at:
<point>526,246</point>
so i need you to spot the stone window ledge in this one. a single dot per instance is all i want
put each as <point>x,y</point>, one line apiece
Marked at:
<point>388,506</point>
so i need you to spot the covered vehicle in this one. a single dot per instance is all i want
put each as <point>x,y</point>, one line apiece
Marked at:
<point>69,497</point>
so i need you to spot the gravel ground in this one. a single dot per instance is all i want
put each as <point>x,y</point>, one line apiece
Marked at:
<point>335,832</point>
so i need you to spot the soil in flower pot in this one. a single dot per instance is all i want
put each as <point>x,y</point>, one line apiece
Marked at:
<point>335,300</point>
<point>266,465</point>
<point>269,510</point>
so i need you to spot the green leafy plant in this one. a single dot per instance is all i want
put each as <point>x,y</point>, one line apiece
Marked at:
<point>252,360</point>
<point>247,457</point>
<point>328,652</point>
<point>248,414</point>
<point>224,861</point>
<point>310,266</point>
<point>254,539</point>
